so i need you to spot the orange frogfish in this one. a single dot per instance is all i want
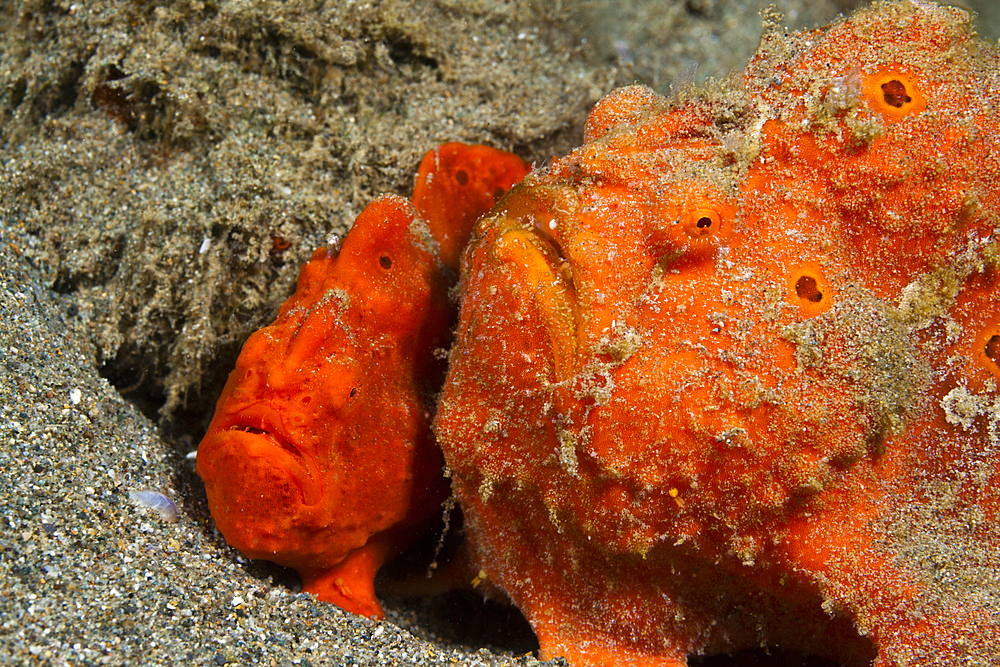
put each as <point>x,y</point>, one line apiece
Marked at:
<point>723,377</point>
<point>320,455</point>
<point>726,375</point>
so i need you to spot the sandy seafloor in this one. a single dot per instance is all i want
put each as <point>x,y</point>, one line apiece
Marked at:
<point>111,210</point>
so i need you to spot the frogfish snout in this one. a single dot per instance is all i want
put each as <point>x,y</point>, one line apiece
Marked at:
<point>269,485</point>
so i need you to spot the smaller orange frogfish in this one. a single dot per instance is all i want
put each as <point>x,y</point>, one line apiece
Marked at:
<point>320,455</point>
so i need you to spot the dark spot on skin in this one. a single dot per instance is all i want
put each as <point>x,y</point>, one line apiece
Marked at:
<point>702,224</point>
<point>894,93</point>
<point>461,177</point>
<point>354,391</point>
<point>806,288</point>
<point>993,349</point>
<point>385,262</point>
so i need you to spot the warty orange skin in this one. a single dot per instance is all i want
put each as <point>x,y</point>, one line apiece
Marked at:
<point>726,374</point>
<point>320,455</point>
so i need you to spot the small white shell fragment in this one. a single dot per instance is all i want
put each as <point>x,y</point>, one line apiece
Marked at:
<point>75,395</point>
<point>155,500</point>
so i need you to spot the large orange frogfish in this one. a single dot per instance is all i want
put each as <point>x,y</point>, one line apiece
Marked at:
<point>726,375</point>
<point>723,377</point>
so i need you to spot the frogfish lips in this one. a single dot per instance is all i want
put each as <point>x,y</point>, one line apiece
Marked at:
<point>530,234</point>
<point>267,482</point>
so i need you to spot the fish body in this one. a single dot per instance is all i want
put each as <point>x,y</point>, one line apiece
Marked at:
<point>336,391</point>
<point>320,456</point>
<point>726,374</point>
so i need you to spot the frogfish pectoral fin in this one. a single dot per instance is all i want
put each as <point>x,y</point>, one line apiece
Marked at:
<point>351,583</point>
